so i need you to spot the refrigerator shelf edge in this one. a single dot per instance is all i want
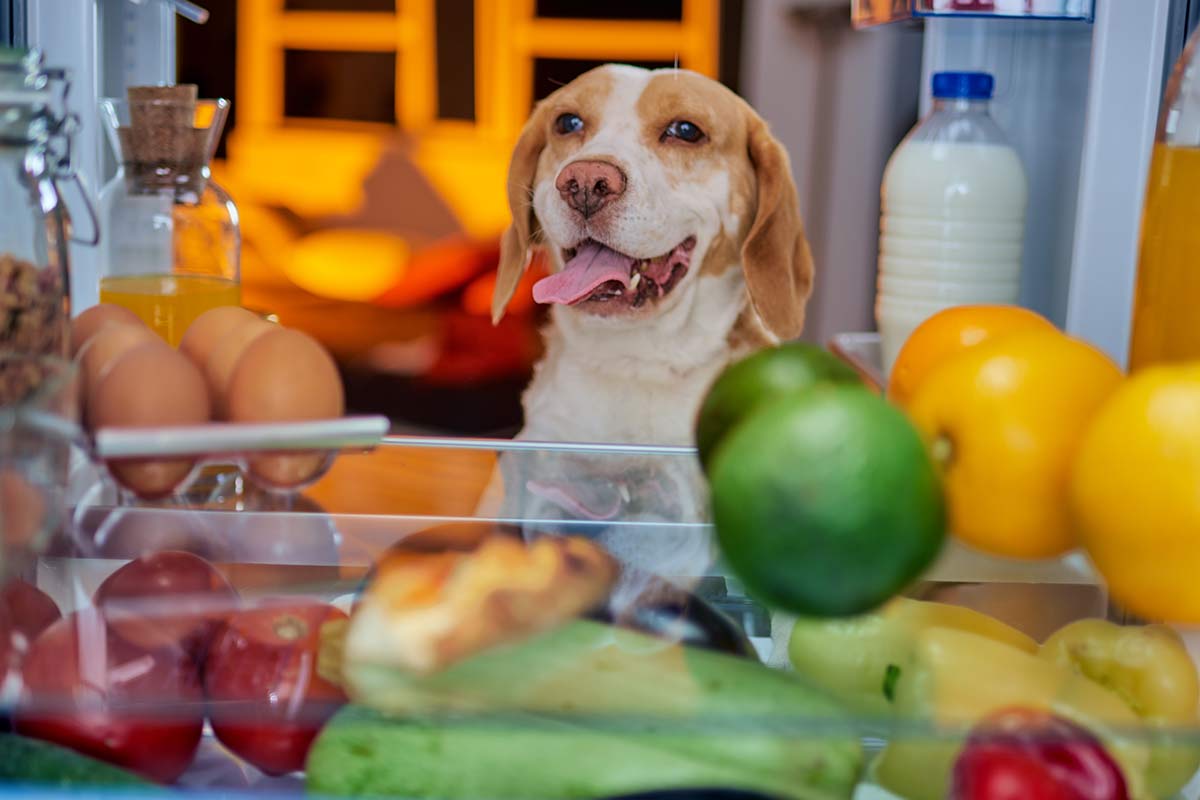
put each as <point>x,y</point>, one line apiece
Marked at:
<point>347,433</point>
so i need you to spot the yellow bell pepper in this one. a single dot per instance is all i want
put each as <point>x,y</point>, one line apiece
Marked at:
<point>955,678</point>
<point>1149,668</point>
<point>857,659</point>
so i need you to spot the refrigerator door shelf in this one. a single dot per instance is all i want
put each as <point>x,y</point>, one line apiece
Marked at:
<point>1023,9</point>
<point>872,13</point>
<point>864,352</point>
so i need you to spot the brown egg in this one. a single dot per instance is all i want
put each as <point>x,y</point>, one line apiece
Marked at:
<point>22,509</point>
<point>287,471</point>
<point>224,358</point>
<point>285,376</point>
<point>207,330</point>
<point>148,386</point>
<point>89,323</point>
<point>105,348</point>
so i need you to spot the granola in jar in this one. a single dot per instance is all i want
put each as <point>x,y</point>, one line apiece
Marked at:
<point>33,322</point>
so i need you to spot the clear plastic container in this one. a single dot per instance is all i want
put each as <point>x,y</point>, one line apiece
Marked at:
<point>953,212</point>
<point>41,401</point>
<point>215,675</point>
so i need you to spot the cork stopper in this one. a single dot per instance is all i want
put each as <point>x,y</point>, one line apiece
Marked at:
<point>162,145</point>
<point>156,106</point>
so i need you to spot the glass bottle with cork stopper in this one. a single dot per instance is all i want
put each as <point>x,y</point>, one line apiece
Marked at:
<point>172,234</point>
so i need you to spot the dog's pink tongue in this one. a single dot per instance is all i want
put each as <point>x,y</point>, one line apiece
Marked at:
<point>593,265</point>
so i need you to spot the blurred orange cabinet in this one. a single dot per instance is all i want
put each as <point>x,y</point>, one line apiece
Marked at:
<point>450,82</point>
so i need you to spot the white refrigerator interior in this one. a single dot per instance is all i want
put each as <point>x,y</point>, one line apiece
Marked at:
<point>1079,101</point>
<point>839,100</point>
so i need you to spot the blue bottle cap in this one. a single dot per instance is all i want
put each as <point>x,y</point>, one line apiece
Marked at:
<point>963,85</point>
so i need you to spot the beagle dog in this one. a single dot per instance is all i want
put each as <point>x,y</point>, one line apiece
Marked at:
<point>676,246</point>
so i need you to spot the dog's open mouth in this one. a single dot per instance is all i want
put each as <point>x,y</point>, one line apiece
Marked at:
<point>595,273</point>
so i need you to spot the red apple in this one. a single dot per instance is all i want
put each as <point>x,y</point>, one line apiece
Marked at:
<point>30,609</point>
<point>1021,754</point>
<point>89,690</point>
<point>166,599</point>
<point>266,701</point>
<point>11,644</point>
<point>25,611</point>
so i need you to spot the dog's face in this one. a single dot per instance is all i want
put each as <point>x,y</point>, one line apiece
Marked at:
<point>643,184</point>
<point>639,175</point>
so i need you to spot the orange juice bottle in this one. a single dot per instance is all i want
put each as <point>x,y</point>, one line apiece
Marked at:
<point>1166,326</point>
<point>171,244</point>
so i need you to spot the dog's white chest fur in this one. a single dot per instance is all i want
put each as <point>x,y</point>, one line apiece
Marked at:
<point>649,412</point>
<point>639,386</point>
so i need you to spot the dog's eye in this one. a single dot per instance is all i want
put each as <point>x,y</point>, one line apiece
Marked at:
<point>568,123</point>
<point>684,131</point>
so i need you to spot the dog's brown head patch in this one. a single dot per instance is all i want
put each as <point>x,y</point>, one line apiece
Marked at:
<point>762,228</point>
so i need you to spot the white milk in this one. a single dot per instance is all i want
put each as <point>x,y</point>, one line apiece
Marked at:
<point>951,232</point>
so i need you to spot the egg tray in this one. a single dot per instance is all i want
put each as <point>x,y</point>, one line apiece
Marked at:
<point>221,444</point>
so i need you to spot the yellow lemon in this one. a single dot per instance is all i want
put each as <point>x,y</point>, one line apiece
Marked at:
<point>1002,421</point>
<point>1135,493</point>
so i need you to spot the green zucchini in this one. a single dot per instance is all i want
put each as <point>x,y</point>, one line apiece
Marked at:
<point>585,711</point>
<point>34,762</point>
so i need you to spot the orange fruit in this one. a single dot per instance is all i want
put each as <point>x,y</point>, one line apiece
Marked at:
<point>1134,493</point>
<point>1002,420</point>
<point>948,333</point>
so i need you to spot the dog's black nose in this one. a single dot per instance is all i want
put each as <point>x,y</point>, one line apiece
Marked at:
<point>588,186</point>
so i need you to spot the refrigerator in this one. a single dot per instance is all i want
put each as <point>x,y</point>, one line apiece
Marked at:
<point>1077,95</point>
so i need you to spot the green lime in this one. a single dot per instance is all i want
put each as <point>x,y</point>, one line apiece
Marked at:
<point>761,378</point>
<point>826,503</point>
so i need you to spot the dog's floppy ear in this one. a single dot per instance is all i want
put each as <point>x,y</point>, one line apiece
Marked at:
<point>515,244</point>
<point>775,255</point>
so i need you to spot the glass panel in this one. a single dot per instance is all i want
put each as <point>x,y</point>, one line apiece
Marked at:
<point>339,5</point>
<point>612,9</point>
<point>456,59</point>
<point>551,73</point>
<point>556,654</point>
<point>328,84</point>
